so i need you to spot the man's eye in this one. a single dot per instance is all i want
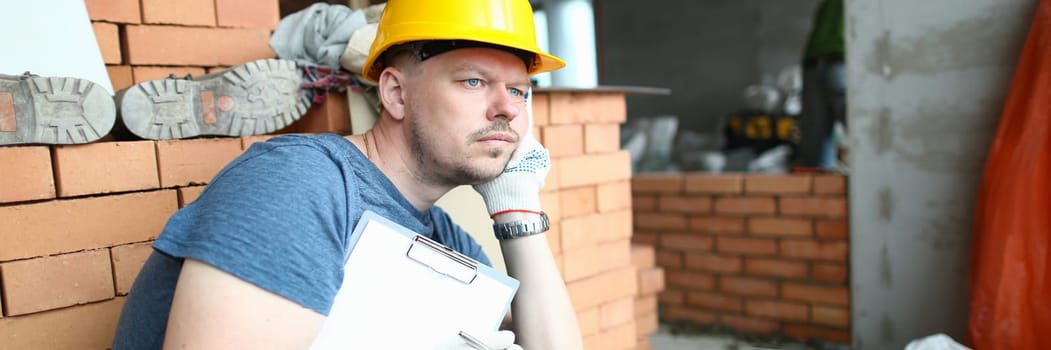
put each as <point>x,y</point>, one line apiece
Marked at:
<point>516,92</point>
<point>473,82</point>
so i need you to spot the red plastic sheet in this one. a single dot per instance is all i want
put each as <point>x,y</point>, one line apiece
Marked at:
<point>1010,280</point>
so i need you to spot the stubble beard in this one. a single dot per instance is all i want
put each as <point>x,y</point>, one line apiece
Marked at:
<point>425,152</point>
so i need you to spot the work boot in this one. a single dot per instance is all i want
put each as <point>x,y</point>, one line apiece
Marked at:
<point>53,110</point>
<point>255,98</point>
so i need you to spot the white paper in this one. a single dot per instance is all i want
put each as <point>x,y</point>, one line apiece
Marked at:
<point>388,301</point>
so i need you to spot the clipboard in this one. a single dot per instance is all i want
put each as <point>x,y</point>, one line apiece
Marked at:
<point>402,290</point>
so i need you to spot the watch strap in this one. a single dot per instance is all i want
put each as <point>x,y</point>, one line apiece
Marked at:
<point>522,228</point>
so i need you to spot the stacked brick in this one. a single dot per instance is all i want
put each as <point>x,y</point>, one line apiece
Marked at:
<point>78,222</point>
<point>760,254</point>
<point>589,192</point>
<point>143,40</point>
<point>651,282</point>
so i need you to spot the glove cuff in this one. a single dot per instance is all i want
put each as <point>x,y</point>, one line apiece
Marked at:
<point>509,191</point>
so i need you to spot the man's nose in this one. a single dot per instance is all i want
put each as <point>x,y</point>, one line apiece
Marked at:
<point>504,105</point>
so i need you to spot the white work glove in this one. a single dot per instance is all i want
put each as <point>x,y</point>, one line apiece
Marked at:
<point>488,340</point>
<point>518,187</point>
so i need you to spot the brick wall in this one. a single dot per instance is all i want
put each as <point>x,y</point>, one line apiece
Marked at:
<point>760,254</point>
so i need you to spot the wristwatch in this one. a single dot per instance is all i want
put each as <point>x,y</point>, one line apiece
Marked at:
<point>522,228</point>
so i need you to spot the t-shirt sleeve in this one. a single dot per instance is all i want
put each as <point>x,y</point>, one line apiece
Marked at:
<point>275,217</point>
<point>453,236</point>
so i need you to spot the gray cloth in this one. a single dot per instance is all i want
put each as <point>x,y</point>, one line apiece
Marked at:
<point>317,35</point>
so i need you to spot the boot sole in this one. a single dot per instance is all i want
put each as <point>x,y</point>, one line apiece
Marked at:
<point>53,110</point>
<point>255,98</point>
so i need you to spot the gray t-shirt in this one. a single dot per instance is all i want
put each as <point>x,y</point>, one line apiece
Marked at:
<point>280,217</point>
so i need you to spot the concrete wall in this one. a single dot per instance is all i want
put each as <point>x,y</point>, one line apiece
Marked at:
<point>927,81</point>
<point>707,51</point>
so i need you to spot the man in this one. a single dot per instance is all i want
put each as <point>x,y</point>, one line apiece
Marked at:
<point>256,261</point>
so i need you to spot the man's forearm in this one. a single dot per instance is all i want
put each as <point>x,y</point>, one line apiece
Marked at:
<point>542,313</point>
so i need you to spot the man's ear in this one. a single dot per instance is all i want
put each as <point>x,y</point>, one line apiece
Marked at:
<point>391,92</point>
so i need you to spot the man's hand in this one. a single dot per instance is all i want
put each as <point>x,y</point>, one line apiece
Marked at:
<point>518,187</point>
<point>488,340</point>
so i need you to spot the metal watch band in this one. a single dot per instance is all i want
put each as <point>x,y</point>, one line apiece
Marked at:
<point>518,229</point>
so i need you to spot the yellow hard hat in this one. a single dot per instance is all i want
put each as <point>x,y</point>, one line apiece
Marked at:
<point>507,23</point>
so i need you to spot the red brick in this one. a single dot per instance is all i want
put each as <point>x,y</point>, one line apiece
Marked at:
<point>614,196</point>
<point>591,260</point>
<point>105,167</point>
<point>688,279</point>
<point>837,229</point>
<point>680,204</point>
<point>84,327</point>
<point>127,261</point>
<point>831,316</point>
<point>589,321</point>
<point>247,13</point>
<point>830,184</point>
<point>670,297</point>
<point>777,184</point>
<point>711,183</point>
<point>657,183</point>
<point>47,283</point>
<point>816,294</point>
<point>27,174</point>
<point>645,238</point>
<point>552,181</point>
<point>815,250</point>
<point>120,11</point>
<point>108,37</point>
<point>617,312</point>
<point>745,205</point>
<point>621,337</point>
<point>578,201</point>
<point>713,262</point>
<point>651,280</point>
<point>715,301</point>
<point>594,169</point>
<point>600,138</point>
<point>748,286</point>
<point>777,226</point>
<point>812,206</point>
<point>748,324</point>
<point>188,46</point>
<point>644,202</point>
<point>597,290</point>
<point>685,241</point>
<point>563,140</point>
<point>189,194</point>
<point>593,229</point>
<point>645,305</point>
<point>120,77</point>
<point>747,246</point>
<point>682,313</point>
<point>248,141</point>
<point>643,256</point>
<point>188,162</point>
<point>775,268</point>
<point>332,115</point>
<point>85,223</point>
<point>660,221</point>
<point>147,73</point>
<point>587,108</point>
<point>549,201</point>
<point>716,224</point>
<point>836,273</point>
<point>541,108</point>
<point>669,259</point>
<point>186,12</point>
<point>645,325</point>
<point>777,309</point>
<point>806,332</point>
